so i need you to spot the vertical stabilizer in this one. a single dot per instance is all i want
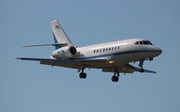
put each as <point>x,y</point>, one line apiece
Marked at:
<point>59,34</point>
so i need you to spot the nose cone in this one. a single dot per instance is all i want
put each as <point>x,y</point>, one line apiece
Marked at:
<point>159,51</point>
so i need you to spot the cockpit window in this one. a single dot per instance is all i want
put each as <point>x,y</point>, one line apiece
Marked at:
<point>143,43</point>
<point>149,43</point>
<point>137,43</point>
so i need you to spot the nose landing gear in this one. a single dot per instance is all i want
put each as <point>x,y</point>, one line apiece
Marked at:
<point>141,63</point>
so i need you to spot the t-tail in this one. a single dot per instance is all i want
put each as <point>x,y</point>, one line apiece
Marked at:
<point>59,35</point>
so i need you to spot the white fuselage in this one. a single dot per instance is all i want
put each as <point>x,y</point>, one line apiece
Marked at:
<point>118,52</point>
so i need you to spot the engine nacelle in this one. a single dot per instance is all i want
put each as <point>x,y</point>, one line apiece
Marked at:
<point>65,52</point>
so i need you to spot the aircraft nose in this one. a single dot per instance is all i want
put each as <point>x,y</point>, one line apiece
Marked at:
<point>159,51</point>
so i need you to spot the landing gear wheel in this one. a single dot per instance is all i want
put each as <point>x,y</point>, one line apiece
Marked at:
<point>82,75</point>
<point>115,78</point>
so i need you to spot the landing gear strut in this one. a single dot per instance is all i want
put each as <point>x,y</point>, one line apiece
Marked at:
<point>115,77</point>
<point>141,65</point>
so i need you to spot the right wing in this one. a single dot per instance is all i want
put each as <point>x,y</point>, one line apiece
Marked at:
<point>127,68</point>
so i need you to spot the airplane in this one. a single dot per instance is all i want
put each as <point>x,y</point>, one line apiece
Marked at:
<point>112,57</point>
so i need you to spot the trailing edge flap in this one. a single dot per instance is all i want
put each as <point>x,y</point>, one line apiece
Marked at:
<point>71,64</point>
<point>121,69</point>
<point>69,61</point>
<point>54,44</point>
<point>92,60</point>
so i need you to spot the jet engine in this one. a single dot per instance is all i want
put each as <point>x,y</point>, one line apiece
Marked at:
<point>65,52</point>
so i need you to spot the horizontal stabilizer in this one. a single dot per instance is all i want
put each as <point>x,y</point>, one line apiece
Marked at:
<point>55,44</point>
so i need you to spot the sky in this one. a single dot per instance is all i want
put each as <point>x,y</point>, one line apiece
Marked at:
<point>27,86</point>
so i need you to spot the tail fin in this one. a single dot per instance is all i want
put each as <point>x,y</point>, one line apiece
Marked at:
<point>59,34</point>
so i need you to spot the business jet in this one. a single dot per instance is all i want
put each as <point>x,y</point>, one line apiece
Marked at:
<point>112,57</point>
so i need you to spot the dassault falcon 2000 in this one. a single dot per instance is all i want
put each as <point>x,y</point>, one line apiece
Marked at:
<point>110,57</point>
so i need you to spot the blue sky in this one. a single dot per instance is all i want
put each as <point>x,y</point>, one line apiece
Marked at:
<point>29,87</point>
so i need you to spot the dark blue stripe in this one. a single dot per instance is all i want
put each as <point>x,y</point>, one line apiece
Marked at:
<point>55,41</point>
<point>114,54</point>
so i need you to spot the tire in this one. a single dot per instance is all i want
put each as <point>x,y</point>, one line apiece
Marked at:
<point>84,75</point>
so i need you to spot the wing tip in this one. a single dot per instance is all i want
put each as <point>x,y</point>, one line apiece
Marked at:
<point>18,58</point>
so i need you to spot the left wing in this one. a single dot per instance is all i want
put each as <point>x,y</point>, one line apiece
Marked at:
<point>70,63</point>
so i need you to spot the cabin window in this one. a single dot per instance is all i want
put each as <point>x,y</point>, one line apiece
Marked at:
<point>100,50</point>
<point>112,48</point>
<point>103,49</point>
<point>106,49</point>
<point>109,49</point>
<point>94,51</point>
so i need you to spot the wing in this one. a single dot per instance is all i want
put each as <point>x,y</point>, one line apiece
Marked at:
<point>127,68</point>
<point>89,63</point>
<point>70,63</point>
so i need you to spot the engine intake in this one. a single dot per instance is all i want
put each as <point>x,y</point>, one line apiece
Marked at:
<point>72,50</point>
<point>65,52</point>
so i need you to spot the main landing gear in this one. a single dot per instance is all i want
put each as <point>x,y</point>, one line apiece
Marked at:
<point>82,75</point>
<point>115,77</point>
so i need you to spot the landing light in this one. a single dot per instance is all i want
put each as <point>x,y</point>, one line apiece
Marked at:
<point>111,62</point>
